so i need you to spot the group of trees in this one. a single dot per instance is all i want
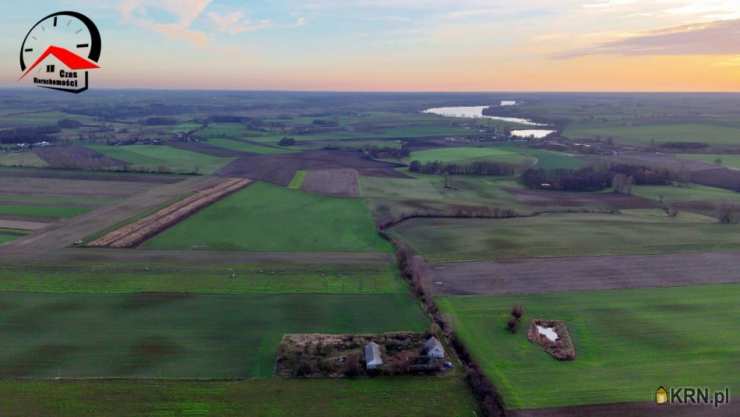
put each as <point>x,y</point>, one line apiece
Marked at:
<point>474,168</point>
<point>29,134</point>
<point>387,152</point>
<point>516,316</point>
<point>619,176</point>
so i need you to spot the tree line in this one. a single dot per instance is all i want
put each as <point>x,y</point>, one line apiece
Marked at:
<point>597,178</point>
<point>475,168</point>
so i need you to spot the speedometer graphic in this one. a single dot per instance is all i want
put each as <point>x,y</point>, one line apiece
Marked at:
<point>59,50</point>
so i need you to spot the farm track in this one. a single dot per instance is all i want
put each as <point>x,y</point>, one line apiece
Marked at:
<point>545,275</point>
<point>63,234</point>
<point>138,232</point>
<point>641,409</point>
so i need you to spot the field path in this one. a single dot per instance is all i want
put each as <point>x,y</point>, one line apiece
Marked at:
<point>63,234</point>
<point>544,275</point>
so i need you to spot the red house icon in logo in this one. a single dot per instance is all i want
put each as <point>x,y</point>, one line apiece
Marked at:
<point>66,76</point>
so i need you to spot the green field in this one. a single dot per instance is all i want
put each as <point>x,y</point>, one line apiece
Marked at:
<point>178,335</point>
<point>265,217</point>
<point>160,158</point>
<point>728,160</point>
<point>628,343</point>
<point>692,192</point>
<point>8,235</point>
<point>378,397</point>
<point>285,278</point>
<point>41,212</point>
<point>470,154</point>
<point>297,182</point>
<point>245,146</point>
<point>633,232</point>
<point>645,135</point>
<point>21,159</point>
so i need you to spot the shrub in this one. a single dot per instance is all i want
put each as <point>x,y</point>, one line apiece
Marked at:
<point>286,142</point>
<point>517,311</point>
<point>512,325</point>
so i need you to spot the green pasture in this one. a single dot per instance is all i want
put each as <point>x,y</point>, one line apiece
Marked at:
<point>21,159</point>
<point>265,217</point>
<point>628,343</point>
<point>158,158</point>
<point>272,278</point>
<point>470,154</point>
<point>178,335</point>
<point>669,132</point>
<point>633,232</point>
<point>277,397</point>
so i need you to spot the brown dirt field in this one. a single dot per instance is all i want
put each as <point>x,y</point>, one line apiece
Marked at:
<point>42,244</point>
<point>569,199</point>
<point>65,187</point>
<point>641,409</point>
<point>583,273</point>
<point>138,232</point>
<point>77,157</point>
<point>333,182</point>
<point>280,169</point>
<point>22,225</point>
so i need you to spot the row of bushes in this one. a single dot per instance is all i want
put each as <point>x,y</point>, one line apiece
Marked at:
<point>475,168</point>
<point>413,268</point>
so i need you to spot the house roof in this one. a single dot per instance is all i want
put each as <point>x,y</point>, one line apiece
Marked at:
<point>433,343</point>
<point>68,58</point>
<point>372,353</point>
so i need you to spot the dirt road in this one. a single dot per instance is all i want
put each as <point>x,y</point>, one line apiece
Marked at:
<point>545,275</point>
<point>63,234</point>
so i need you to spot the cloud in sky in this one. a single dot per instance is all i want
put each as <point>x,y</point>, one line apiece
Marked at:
<point>236,22</point>
<point>182,14</point>
<point>713,38</point>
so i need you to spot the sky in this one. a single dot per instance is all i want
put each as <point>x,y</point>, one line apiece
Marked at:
<point>401,45</point>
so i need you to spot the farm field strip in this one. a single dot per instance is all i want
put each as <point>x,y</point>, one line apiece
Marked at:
<point>332,182</point>
<point>633,232</point>
<point>376,397</point>
<point>628,342</point>
<point>179,335</point>
<point>269,218</point>
<point>544,275</point>
<point>138,232</point>
<point>265,277</point>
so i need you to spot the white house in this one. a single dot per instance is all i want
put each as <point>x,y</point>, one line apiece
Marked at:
<point>373,360</point>
<point>434,348</point>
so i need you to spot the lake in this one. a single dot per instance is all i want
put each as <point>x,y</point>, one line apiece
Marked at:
<point>476,112</point>
<point>531,133</point>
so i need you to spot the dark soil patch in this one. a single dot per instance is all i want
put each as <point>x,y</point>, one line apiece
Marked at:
<point>77,157</point>
<point>333,182</point>
<point>149,352</point>
<point>41,358</point>
<point>154,299</point>
<point>280,169</point>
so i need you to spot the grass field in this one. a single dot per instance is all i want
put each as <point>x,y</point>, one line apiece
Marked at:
<point>178,335</point>
<point>628,342</point>
<point>297,182</point>
<point>281,278</point>
<point>41,212</point>
<point>470,154</point>
<point>7,235</point>
<point>644,135</point>
<point>633,232</point>
<point>728,160</point>
<point>21,159</point>
<point>378,397</point>
<point>264,217</point>
<point>158,158</point>
<point>691,193</point>
<point>245,146</point>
